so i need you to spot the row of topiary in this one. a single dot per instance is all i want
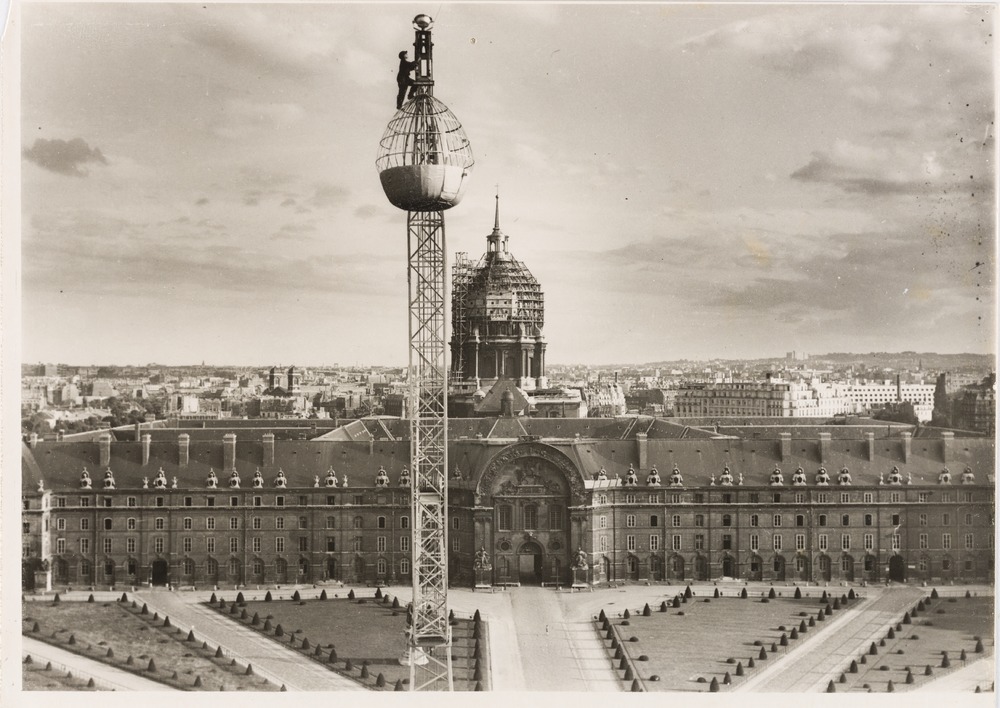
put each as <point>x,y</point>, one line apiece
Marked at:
<point>67,679</point>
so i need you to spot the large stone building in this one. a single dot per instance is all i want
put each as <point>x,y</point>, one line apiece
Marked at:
<point>252,503</point>
<point>773,397</point>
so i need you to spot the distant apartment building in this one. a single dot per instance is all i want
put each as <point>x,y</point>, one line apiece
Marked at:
<point>975,408</point>
<point>873,396</point>
<point>774,398</point>
<point>605,400</point>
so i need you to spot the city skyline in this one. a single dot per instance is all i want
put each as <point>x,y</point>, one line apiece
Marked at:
<point>684,181</point>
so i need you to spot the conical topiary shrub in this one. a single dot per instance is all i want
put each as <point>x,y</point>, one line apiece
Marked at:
<point>677,602</point>
<point>222,603</point>
<point>928,671</point>
<point>890,687</point>
<point>906,618</point>
<point>646,611</point>
<point>803,627</point>
<point>751,664</point>
<point>771,594</point>
<point>853,667</point>
<point>197,681</point>
<point>144,610</point>
<point>72,639</point>
<point>979,646</point>
<point>212,600</point>
<point>739,668</point>
<point>244,614</point>
<point>873,649</point>
<point>891,634</point>
<point>166,621</point>
<point>909,676</point>
<point>350,594</point>
<point>296,596</point>
<point>190,636</point>
<point>398,686</point>
<point>812,622</point>
<point>151,667</point>
<point>305,643</point>
<point>827,610</point>
<point>395,603</point>
<point>279,631</point>
<point>831,687</point>
<point>349,665</point>
<point>628,674</point>
<point>267,596</point>
<point>90,683</point>
<point>239,598</point>
<point>713,687</point>
<point>716,593</point>
<point>333,655</point>
<point>727,679</point>
<point>380,681</point>
<point>783,641</point>
<point>130,661</point>
<point>794,634</point>
<point>850,594</point>
<point>763,654</point>
<point>90,598</point>
<point>836,604</point>
<point>110,653</point>
<point>636,688</point>
<point>843,678</point>
<point>232,609</point>
<point>267,625</point>
<point>626,614</point>
<point>774,647</point>
<point>798,593</point>
<point>945,661</point>
<point>934,594</point>
<point>255,620</point>
<point>249,671</point>
<point>218,652</point>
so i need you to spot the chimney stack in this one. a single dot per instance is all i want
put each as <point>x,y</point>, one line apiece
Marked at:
<point>104,447</point>
<point>183,449</point>
<point>824,448</point>
<point>870,442</point>
<point>947,446</point>
<point>642,444</point>
<point>146,440</point>
<point>907,445</point>
<point>229,451</point>
<point>785,446</point>
<point>268,445</point>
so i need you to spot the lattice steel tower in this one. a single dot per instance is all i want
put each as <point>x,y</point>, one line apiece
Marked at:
<point>423,162</point>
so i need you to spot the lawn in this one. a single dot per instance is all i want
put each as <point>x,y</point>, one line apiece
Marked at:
<point>35,677</point>
<point>367,632</point>
<point>935,626</point>
<point>117,634</point>
<point>705,638</point>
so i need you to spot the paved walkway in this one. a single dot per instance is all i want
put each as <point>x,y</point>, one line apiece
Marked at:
<point>823,654</point>
<point>277,663</point>
<point>978,673</point>
<point>105,676</point>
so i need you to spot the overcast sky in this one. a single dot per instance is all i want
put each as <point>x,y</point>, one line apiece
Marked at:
<point>198,181</point>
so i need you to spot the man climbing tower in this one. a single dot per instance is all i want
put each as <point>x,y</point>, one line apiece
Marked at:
<point>403,79</point>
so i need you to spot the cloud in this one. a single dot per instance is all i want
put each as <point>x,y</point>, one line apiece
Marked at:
<point>326,195</point>
<point>202,201</point>
<point>64,157</point>
<point>367,211</point>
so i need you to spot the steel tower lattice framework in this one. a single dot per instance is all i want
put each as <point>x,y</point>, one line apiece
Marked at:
<point>423,162</point>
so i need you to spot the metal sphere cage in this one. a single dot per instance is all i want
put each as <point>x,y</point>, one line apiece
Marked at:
<point>424,156</point>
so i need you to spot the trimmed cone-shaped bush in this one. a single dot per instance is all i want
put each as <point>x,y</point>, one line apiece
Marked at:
<point>853,667</point>
<point>91,684</point>
<point>395,603</point>
<point>628,674</point>
<point>968,594</point>
<point>812,622</point>
<point>319,650</point>
<point>239,598</point>
<point>771,594</point>
<point>784,640</point>
<point>380,681</point>
<point>750,663</point>
<point>716,594</point>
<point>283,688</point>
<point>891,634</point>
<point>244,614</point>
<point>743,593</point>
<point>945,662</point>
<point>774,647</point>
<point>28,659</point>
<point>928,671</point>
<point>212,600</point>
<point>906,618</point>
<point>873,649</point>
<point>267,596</point>
<point>166,621</point>
<point>909,676</point>
<point>803,627</point>
<point>305,643</point>
<point>110,653</point>
<point>349,665</point>
<point>843,678</point>
<point>676,603</point>
<point>143,611</point>
<point>398,686</point>
<point>350,594</point>
<point>130,661</point>
<point>798,593</point>
<point>479,686</point>
<point>35,627</point>
<point>934,594</point>
<point>687,592</point>
<point>823,597</point>
<point>90,598</point>
<point>296,596</point>
<point>881,642</point>
<point>218,652</point>
<point>233,608</point>
<point>279,631</point>
<point>222,603</point>
<point>249,671</point>
<point>836,604</point>
<point>151,667</point>
<point>267,625</point>
<point>623,664</point>
<point>197,681</point>
<point>831,687</point>
<point>714,686</point>
<point>190,636</point>
<point>663,606</point>
<point>890,688</point>
<point>850,594</point>
<point>820,616</point>
<point>863,659</point>
<point>739,668</point>
<point>647,611</point>
<point>962,656</point>
<point>794,634</point>
<point>920,605</point>
<point>124,597</point>
<point>727,679</point>
<point>72,639</point>
<point>828,610</point>
<point>979,646</point>
<point>333,655</point>
<point>255,620</point>
<point>636,688</point>
<point>626,614</point>
<point>763,654</point>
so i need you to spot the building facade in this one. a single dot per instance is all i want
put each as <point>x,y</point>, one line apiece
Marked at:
<point>640,499</point>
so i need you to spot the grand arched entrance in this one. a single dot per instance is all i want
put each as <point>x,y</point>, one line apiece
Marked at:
<point>530,487</point>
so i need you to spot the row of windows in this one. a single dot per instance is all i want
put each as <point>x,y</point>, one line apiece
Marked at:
<point>256,544</point>
<point>777,542</point>
<point>529,517</point>
<point>160,523</point>
<point>776,520</point>
<point>257,567</point>
<point>303,500</point>
<point>778,497</point>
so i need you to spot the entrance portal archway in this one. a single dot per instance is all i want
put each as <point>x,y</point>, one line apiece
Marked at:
<point>824,568</point>
<point>728,567</point>
<point>332,571</point>
<point>159,572</point>
<point>529,563</point>
<point>779,568</point>
<point>897,569</point>
<point>631,568</point>
<point>700,568</point>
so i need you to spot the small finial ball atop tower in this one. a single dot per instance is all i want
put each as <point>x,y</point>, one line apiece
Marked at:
<point>423,22</point>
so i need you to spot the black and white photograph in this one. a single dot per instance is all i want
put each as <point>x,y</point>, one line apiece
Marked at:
<point>512,347</point>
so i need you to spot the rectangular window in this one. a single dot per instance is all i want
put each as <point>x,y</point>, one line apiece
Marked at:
<point>824,541</point>
<point>331,500</point>
<point>675,498</point>
<point>380,544</point>
<point>800,542</point>
<point>630,499</point>
<point>456,544</point>
<point>922,541</point>
<point>894,497</point>
<point>602,522</point>
<point>531,516</point>
<point>654,543</point>
<point>404,544</point>
<point>699,497</point>
<point>895,542</point>
<point>84,501</point>
<point>754,497</point>
<point>727,498</point>
<point>234,501</point>
<point>924,497</point>
<point>188,501</point>
<point>845,520</point>
<point>187,524</point>
<point>303,500</point>
<point>279,545</point>
<point>186,544</point>
<point>258,501</point>
<point>604,544</point>
<point>630,542</point>
<point>210,545</point>
<point>966,497</point>
<point>777,542</point>
<point>60,545</point>
<point>159,501</point>
<point>922,519</point>
<point>256,523</point>
<point>456,524</point>
<point>130,545</point>
<point>234,545</point>
<point>107,545</point>
<point>895,519</point>
<point>210,523</point>
<point>304,522</point>
<point>823,498</point>
<point>868,519</point>
<point>968,519</point>
<point>777,520</point>
<point>800,498</point>
<point>504,517</point>
<point>630,521</point>
<point>727,542</point>
<point>279,522</point>
<point>61,502</point>
<point>675,520</point>
<point>159,523</point>
<point>800,520</point>
<point>556,517</point>
<point>158,545</point>
<point>776,497</point>
<point>845,542</point>
<point>754,520</point>
<point>60,524</point>
<point>754,542</point>
<point>331,544</point>
<point>946,541</point>
<point>869,498</point>
<point>699,542</point>
<point>946,520</point>
<point>255,544</point>
<point>209,501</point>
<point>359,498</point>
<point>279,501</point>
<point>675,541</point>
<point>869,541</point>
<point>699,520</point>
<point>85,524</point>
<point>107,501</point>
<point>404,522</point>
<point>845,497</point>
<point>969,542</point>
<point>303,544</point>
<point>234,523</point>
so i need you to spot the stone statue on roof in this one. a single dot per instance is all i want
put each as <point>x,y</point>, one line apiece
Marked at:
<point>880,480</point>
<point>382,478</point>
<point>41,485</point>
<point>967,476</point>
<point>85,482</point>
<point>281,482</point>
<point>631,479</point>
<point>726,478</point>
<point>822,477</point>
<point>234,480</point>
<point>344,483</point>
<point>945,476</point>
<point>109,479</point>
<point>258,479</point>
<point>404,477</point>
<point>740,483</point>
<point>895,476</point>
<point>653,478</point>
<point>331,477</point>
<point>799,477</point>
<point>173,483</point>
<point>676,480</point>
<point>777,479</point>
<point>844,477</point>
<point>160,481</point>
<point>212,482</point>
<point>711,480</point>
<point>145,482</point>
<point>602,475</point>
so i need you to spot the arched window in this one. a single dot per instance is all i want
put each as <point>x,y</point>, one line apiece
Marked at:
<point>211,567</point>
<point>258,566</point>
<point>234,567</point>
<point>380,566</point>
<point>404,566</point>
<point>358,522</point>
<point>188,566</point>
<point>85,569</point>
<point>727,520</point>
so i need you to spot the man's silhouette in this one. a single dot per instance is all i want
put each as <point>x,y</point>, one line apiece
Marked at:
<point>403,79</point>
